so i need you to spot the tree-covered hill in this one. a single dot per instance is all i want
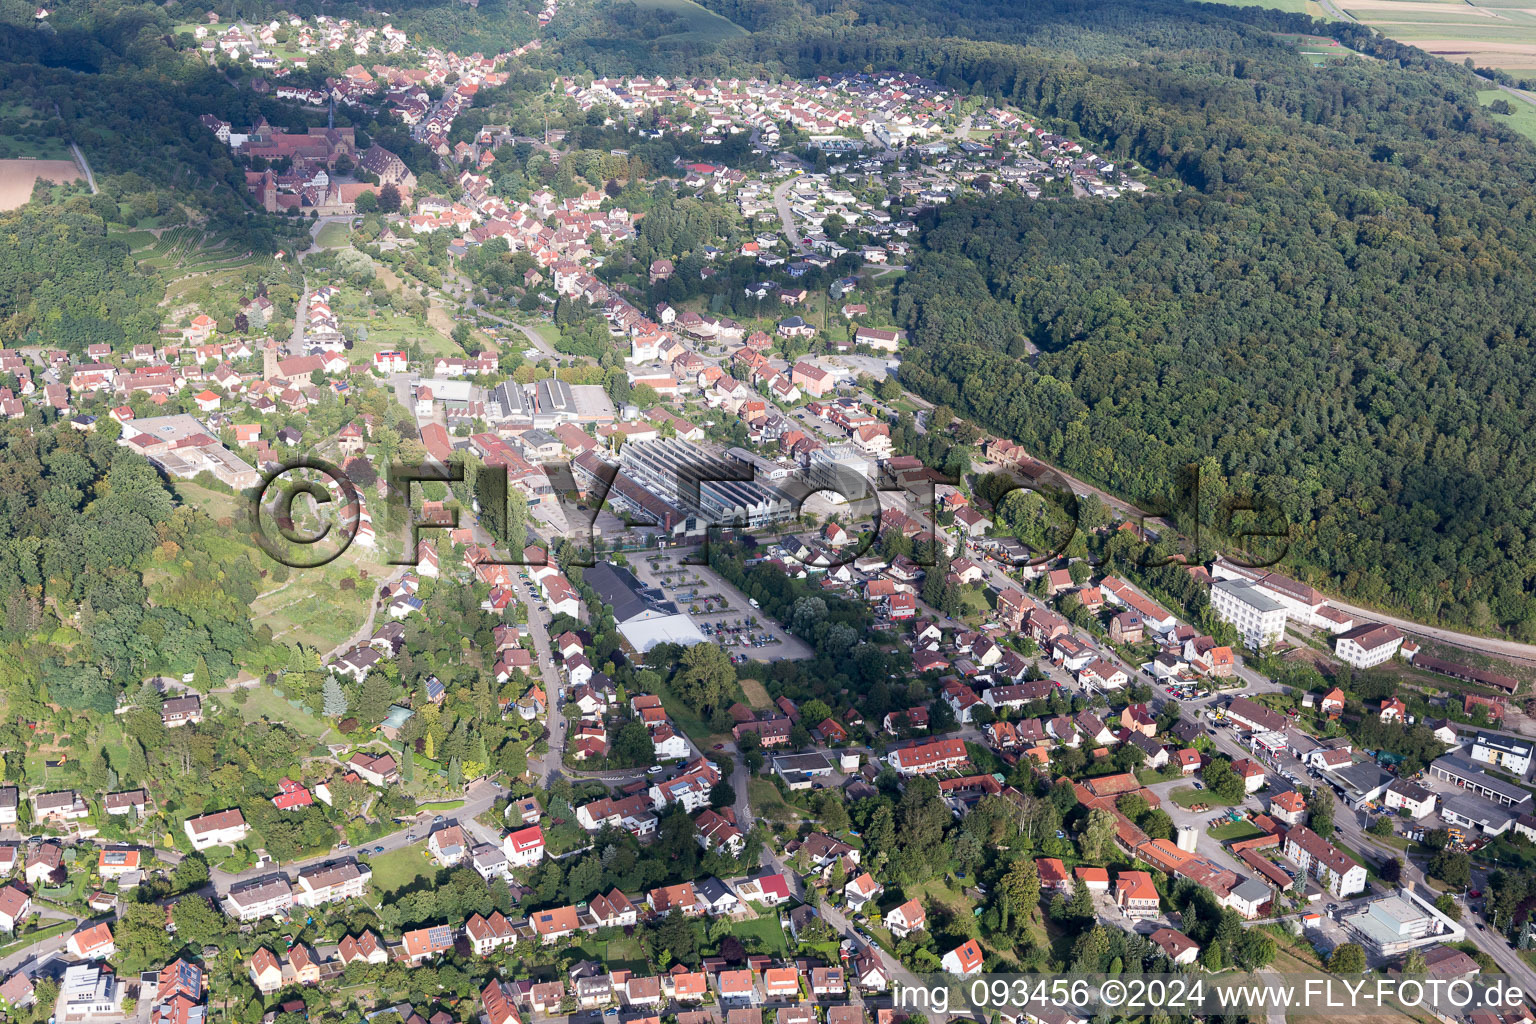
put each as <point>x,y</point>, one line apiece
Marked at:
<point>106,580</point>
<point>1334,310</point>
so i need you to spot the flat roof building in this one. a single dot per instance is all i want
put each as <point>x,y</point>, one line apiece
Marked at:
<point>698,481</point>
<point>1256,615</point>
<point>1394,924</point>
<point>1469,776</point>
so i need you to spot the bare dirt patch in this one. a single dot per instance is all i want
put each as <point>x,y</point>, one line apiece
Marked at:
<point>1484,53</point>
<point>18,176</point>
<point>756,694</point>
<point>1421,7</point>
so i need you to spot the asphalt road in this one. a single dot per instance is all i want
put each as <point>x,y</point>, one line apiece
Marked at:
<point>786,217</point>
<point>296,340</point>
<point>480,797</point>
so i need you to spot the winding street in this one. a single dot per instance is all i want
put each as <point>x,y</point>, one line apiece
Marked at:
<point>90,179</point>
<point>781,203</point>
<point>477,800</point>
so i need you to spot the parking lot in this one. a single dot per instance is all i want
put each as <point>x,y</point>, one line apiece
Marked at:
<point>722,613</point>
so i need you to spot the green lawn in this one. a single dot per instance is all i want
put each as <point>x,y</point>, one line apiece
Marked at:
<point>1506,852</point>
<point>399,868</point>
<point>1396,841</point>
<point>1187,796</point>
<point>46,932</point>
<point>768,802</point>
<point>626,951</point>
<point>689,720</point>
<point>264,703</point>
<point>1523,120</point>
<point>1235,831</point>
<point>34,147</point>
<point>312,607</point>
<point>334,235</point>
<point>136,239</point>
<point>216,503</point>
<point>765,928</point>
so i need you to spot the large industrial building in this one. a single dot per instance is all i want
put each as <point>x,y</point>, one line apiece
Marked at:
<point>697,481</point>
<point>1258,616</point>
<point>1458,770</point>
<point>1393,925</point>
<point>643,617</point>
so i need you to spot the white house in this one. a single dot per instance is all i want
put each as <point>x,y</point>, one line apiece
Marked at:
<point>668,745</point>
<point>331,883</point>
<point>93,943</point>
<point>1176,946</point>
<point>221,828</point>
<point>1513,755</point>
<point>907,918</point>
<point>89,991</point>
<point>860,891</point>
<point>1368,644</point>
<point>1402,795</point>
<point>964,960</point>
<point>525,847</point>
<point>1337,872</point>
<point>14,907</point>
<point>259,898</point>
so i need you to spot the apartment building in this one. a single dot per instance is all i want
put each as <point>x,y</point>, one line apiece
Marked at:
<point>1256,615</point>
<point>1336,871</point>
<point>331,883</point>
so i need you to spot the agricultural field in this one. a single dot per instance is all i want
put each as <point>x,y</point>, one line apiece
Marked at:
<point>186,250</point>
<point>1523,118</point>
<point>190,258</point>
<point>1493,33</point>
<point>17,177</point>
<point>703,25</point>
<point>1290,6</point>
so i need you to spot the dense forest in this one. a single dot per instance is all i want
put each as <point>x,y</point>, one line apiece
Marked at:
<point>1333,313</point>
<point>105,580</point>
